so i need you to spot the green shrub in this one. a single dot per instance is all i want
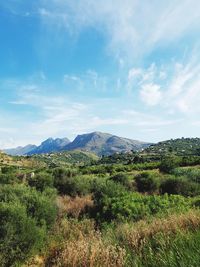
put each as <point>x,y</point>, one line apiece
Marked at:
<point>20,236</point>
<point>121,178</point>
<point>192,174</point>
<point>168,164</point>
<point>147,182</point>
<point>8,178</point>
<point>58,173</point>
<point>8,169</point>
<point>75,185</point>
<point>40,206</point>
<point>102,191</point>
<point>134,206</point>
<point>179,186</point>
<point>41,181</point>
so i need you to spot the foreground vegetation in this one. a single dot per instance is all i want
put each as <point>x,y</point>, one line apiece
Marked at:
<point>123,210</point>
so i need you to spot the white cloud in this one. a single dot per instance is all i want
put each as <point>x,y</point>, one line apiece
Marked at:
<point>175,87</point>
<point>183,91</point>
<point>151,94</point>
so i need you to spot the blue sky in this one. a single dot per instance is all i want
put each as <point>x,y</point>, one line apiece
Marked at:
<point>131,68</point>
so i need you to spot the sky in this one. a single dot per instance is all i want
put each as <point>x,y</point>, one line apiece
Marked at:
<point>126,67</point>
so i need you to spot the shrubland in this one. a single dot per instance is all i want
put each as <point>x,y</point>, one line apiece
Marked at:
<point>123,210</point>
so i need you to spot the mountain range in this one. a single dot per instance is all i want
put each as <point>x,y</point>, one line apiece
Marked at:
<point>96,142</point>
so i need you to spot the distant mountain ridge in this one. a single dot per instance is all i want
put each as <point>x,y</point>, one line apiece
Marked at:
<point>96,142</point>
<point>104,144</point>
<point>19,151</point>
<point>50,145</point>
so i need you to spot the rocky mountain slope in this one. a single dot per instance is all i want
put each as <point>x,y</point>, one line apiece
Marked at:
<point>95,142</point>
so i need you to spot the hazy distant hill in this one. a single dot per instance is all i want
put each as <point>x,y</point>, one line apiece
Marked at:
<point>96,142</point>
<point>50,145</point>
<point>178,146</point>
<point>20,151</point>
<point>104,143</point>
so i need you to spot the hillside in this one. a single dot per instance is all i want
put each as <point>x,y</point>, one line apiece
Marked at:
<point>180,146</point>
<point>66,158</point>
<point>104,143</point>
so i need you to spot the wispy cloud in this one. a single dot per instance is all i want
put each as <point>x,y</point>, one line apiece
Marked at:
<point>132,27</point>
<point>144,76</point>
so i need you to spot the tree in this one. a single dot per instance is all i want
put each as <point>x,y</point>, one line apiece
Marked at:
<point>168,164</point>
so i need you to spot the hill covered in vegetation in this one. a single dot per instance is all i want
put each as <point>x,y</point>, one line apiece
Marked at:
<point>66,158</point>
<point>180,146</point>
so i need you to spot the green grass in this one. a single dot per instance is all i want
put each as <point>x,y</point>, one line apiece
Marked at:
<point>166,251</point>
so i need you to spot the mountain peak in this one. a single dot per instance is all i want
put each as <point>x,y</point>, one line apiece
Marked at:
<point>104,143</point>
<point>96,142</point>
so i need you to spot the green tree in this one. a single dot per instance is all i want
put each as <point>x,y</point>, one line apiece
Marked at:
<point>168,164</point>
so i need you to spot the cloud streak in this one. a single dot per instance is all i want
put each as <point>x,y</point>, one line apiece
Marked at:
<point>131,27</point>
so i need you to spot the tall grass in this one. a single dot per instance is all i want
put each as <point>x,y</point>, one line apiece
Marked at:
<point>81,245</point>
<point>135,235</point>
<point>164,242</point>
<point>73,206</point>
<point>168,242</point>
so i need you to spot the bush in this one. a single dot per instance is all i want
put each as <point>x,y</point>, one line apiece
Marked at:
<point>147,182</point>
<point>102,191</point>
<point>168,164</point>
<point>58,173</point>
<point>134,206</point>
<point>40,206</point>
<point>8,169</point>
<point>71,185</point>
<point>192,174</point>
<point>41,181</point>
<point>121,178</point>
<point>20,236</point>
<point>8,178</point>
<point>179,186</point>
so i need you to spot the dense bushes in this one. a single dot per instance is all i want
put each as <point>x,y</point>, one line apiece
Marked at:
<point>20,236</point>
<point>66,182</point>
<point>134,206</point>
<point>123,179</point>
<point>40,206</point>
<point>192,174</point>
<point>147,182</point>
<point>104,195</point>
<point>179,186</point>
<point>8,178</point>
<point>25,216</point>
<point>41,181</point>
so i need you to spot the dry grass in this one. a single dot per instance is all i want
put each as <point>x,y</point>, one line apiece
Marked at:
<point>83,246</point>
<point>73,206</point>
<point>77,244</point>
<point>36,261</point>
<point>86,251</point>
<point>136,235</point>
